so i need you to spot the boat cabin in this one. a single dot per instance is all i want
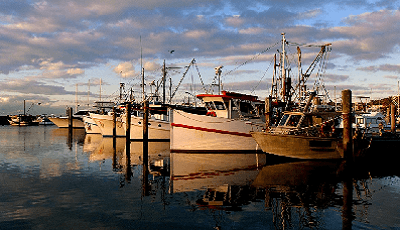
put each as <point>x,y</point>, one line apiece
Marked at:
<point>371,121</point>
<point>301,120</point>
<point>232,105</point>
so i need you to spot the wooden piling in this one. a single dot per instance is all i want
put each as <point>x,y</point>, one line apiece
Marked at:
<point>128,128</point>
<point>114,123</point>
<point>268,111</point>
<point>392,119</point>
<point>70,126</point>
<point>347,124</point>
<point>70,117</point>
<point>145,147</point>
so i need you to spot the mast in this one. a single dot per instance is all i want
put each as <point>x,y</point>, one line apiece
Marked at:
<point>100,89</point>
<point>88,95</point>
<point>76,97</point>
<point>163,81</point>
<point>283,70</point>
<point>218,71</point>
<point>144,95</point>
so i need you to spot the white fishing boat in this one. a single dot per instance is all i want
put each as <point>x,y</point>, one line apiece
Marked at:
<point>158,123</point>
<point>77,120</point>
<point>44,120</point>
<point>225,128</point>
<point>90,125</point>
<point>105,123</point>
<point>102,107</point>
<point>372,122</point>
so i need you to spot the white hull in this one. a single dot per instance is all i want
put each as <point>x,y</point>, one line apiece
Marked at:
<point>91,126</point>
<point>158,130</point>
<point>105,123</point>
<point>198,133</point>
<point>62,122</point>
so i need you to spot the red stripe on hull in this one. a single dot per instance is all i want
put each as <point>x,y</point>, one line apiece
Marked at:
<point>211,130</point>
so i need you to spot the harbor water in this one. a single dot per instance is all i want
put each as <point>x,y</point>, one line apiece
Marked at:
<point>50,179</point>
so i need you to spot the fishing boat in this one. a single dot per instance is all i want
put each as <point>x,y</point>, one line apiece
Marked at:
<point>77,120</point>
<point>309,127</point>
<point>158,123</point>
<point>106,124</point>
<point>44,120</point>
<point>224,128</point>
<point>23,119</point>
<point>303,135</point>
<point>102,107</point>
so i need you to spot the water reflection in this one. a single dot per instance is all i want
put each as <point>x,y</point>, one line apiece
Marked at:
<point>297,194</point>
<point>87,181</point>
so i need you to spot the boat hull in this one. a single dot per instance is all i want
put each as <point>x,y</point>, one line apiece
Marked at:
<point>62,122</point>
<point>158,130</point>
<point>299,147</point>
<point>201,133</point>
<point>91,126</point>
<point>105,123</point>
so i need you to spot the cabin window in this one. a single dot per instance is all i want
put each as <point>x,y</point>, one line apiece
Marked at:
<point>219,105</point>
<point>283,120</point>
<point>360,121</point>
<point>210,105</point>
<point>293,120</point>
<point>245,107</point>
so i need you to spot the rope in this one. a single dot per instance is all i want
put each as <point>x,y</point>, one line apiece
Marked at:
<point>251,59</point>
<point>270,64</point>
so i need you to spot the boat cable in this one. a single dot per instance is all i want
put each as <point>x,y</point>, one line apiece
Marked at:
<point>265,73</point>
<point>251,59</point>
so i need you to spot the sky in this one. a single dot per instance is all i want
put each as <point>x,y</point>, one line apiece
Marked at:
<point>60,53</point>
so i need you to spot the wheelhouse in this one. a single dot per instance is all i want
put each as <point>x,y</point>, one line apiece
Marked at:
<point>232,105</point>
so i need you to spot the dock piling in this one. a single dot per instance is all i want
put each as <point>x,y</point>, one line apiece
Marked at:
<point>392,118</point>
<point>114,123</point>
<point>128,128</point>
<point>145,147</point>
<point>347,124</point>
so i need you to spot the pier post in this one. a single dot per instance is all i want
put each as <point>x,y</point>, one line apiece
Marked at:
<point>268,111</point>
<point>114,139</point>
<point>145,146</point>
<point>347,124</point>
<point>114,122</point>
<point>128,129</point>
<point>70,117</point>
<point>70,126</point>
<point>392,118</point>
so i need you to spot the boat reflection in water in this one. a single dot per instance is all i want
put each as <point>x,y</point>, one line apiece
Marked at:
<point>102,148</point>
<point>189,172</point>
<point>306,194</point>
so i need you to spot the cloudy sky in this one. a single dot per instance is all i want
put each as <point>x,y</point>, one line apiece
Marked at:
<point>57,52</point>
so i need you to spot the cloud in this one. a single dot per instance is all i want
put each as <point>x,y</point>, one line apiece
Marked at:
<point>30,86</point>
<point>385,67</point>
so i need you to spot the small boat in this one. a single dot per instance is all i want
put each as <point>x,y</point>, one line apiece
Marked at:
<point>23,120</point>
<point>158,123</point>
<point>373,122</point>
<point>102,107</point>
<point>44,120</point>
<point>308,135</point>
<point>77,120</point>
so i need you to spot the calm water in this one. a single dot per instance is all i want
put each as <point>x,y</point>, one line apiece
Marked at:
<point>50,180</point>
